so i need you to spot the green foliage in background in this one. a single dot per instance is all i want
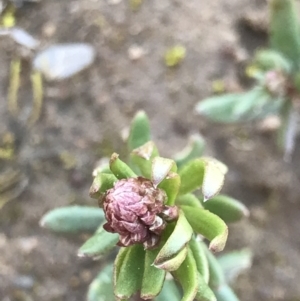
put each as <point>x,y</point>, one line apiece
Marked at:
<point>277,74</point>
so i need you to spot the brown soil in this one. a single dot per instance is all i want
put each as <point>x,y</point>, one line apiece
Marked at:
<point>82,119</point>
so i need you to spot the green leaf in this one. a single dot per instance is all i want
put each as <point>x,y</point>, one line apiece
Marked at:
<point>129,269</point>
<point>173,263</point>
<point>217,279</point>
<point>119,168</point>
<point>169,292</point>
<point>200,258</point>
<point>188,277</point>
<point>188,199</point>
<point>171,185</point>
<point>143,157</point>
<point>101,183</point>
<point>161,167</point>
<point>99,244</point>
<point>220,108</point>
<point>239,107</point>
<point>213,179</point>
<point>191,176</point>
<point>268,59</point>
<point>204,292</point>
<point>296,81</point>
<point>225,293</point>
<point>102,286</point>
<point>178,239</point>
<point>216,274</point>
<point>252,104</point>
<point>139,131</point>
<point>193,150</point>
<point>73,219</point>
<point>286,136</point>
<point>235,262</point>
<point>119,262</point>
<point>153,278</point>
<point>209,225</point>
<point>285,29</point>
<point>227,208</point>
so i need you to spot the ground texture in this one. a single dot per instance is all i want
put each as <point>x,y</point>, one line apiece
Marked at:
<point>82,119</point>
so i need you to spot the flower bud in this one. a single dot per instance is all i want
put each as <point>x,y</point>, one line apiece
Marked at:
<point>135,209</point>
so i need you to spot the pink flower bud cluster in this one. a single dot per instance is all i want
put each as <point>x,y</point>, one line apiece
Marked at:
<point>135,209</point>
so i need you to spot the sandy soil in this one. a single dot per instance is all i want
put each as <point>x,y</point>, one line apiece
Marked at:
<point>82,119</point>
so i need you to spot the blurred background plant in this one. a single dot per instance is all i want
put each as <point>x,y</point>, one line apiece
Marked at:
<point>179,229</point>
<point>276,71</point>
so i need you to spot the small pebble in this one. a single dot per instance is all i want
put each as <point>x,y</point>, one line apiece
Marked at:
<point>49,29</point>
<point>27,244</point>
<point>86,276</point>
<point>136,52</point>
<point>114,2</point>
<point>23,282</point>
<point>23,38</point>
<point>269,124</point>
<point>76,178</point>
<point>74,282</point>
<point>62,61</point>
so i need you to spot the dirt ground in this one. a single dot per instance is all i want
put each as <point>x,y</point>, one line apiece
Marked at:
<point>82,119</point>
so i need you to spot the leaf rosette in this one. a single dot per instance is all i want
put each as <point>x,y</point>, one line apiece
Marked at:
<point>156,209</point>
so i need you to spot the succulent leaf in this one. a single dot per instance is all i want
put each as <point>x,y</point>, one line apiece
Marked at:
<point>204,292</point>
<point>268,59</point>
<point>139,131</point>
<point>191,176</point>
<point>225,293</point>
<point>128,271</point>
<point>285,39</point>
<point>192,151</point>
<point>119,168</point>
<point>221,108</point>
<point>173,263</point>
<point>239,107</point>
<point>73,219</point>
<point>177,241</point>
<point>171,185</point>
<point>200,258</point>
<point>99,244</point>
<point>217,279</point>
<point>188,199</point>
<point>102,286</point>
<point>153,278</point>
<point>209,225</point>
<point>235,262</point>
<point>227,208</point>
<point>169,292</point>
<point>213,179</point>
<point>143,156</point>
<point>101,183</point>
<point>161,167</point>
<point>216,274</point>
<point>188,277</point>
<point>252,104</point>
